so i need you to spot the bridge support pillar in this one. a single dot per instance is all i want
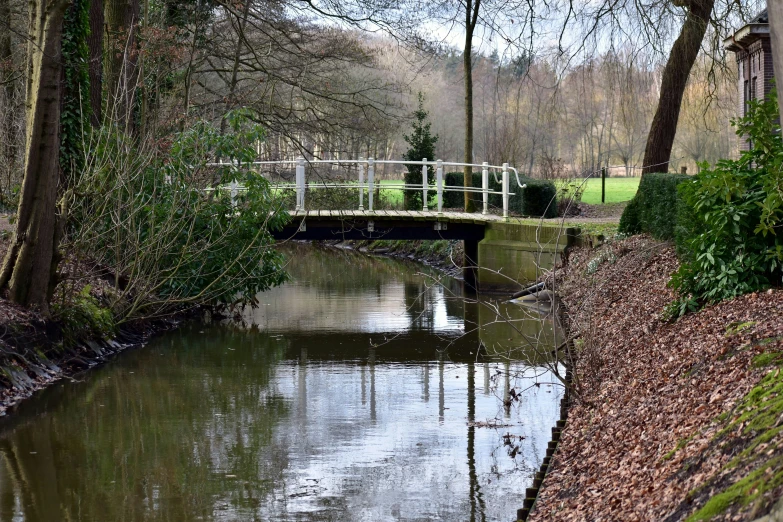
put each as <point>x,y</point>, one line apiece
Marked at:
<point>513,255</point>
<point>470,265</point>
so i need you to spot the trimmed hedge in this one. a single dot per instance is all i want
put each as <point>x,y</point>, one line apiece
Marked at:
<point>531,201</point>
<point>654,209</point>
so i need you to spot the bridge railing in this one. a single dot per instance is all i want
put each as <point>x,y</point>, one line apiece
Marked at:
<point>366,180</point>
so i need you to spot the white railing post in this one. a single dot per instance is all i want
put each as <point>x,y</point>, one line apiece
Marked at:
<point>300,183</point>
<point>424,184</point>
<point>370,180</point>
<point>361,183</point>
<point>505,190</point>
<point>233,192</point>
<point>485,186</point>
<point>439,186</point>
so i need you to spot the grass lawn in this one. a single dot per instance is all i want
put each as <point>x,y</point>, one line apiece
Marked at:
<point>392,197</point>
<point>617,190</point>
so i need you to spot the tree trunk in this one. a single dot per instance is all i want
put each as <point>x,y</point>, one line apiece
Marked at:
<point>95,44</point>
<point>231,99</point>
<point>9,149</point>
<point>775,13</point>
<point>188,74</point>
<point>471,16</point>
<point>27,269</point>
<point>675,76</point>
<point>119,67</point>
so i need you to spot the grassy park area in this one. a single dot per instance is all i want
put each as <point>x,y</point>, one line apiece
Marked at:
<point>617,190</point>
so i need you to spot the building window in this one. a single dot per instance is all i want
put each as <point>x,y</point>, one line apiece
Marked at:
<point>745,97</point>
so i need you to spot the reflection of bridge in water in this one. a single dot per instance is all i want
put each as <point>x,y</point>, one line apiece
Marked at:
<point>397,318</point>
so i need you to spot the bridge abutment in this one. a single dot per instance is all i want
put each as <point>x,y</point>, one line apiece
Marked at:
<point>513,254</point>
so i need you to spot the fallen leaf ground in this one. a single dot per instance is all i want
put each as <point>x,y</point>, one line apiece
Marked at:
<point>674,421</point>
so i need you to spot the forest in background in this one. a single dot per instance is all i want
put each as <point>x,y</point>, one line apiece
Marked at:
<point>326,89</point>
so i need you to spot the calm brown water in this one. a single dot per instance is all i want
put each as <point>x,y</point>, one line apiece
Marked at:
<point>350,394</point>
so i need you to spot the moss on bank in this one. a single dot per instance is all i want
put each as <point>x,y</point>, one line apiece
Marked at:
<point>750,433</point>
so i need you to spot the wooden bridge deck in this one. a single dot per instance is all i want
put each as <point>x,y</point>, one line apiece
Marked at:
<point>398,215</point>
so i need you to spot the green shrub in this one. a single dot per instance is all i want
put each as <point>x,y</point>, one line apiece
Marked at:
<point>456,199</point>
<point>629,221</point>
<point>727,229</point>
<point>146,218</point>
<point>537,200</point>
<point>82,317</point>
<point>654,209</point>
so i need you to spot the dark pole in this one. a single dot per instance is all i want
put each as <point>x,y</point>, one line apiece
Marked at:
<point>603,184</point>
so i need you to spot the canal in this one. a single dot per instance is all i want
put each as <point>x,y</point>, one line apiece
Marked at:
<point>356,392</point>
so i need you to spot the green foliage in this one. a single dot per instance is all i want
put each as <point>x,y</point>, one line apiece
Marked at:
<point>537,200</point>
<point>81,317</point>
<point>630,223</point>
<point>678,308</point>
<point>422,145</point>
<point>181,13</point>
<point>153,224</point>
<point>455,199</point>
<point>727,227</point>
<point>75,111</point>
<point>654,209</point>
<point>756,419</point>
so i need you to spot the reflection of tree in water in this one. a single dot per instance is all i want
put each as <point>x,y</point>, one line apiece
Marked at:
<point>179,452</point>
<point>477,507</point>
<point>419,304</point>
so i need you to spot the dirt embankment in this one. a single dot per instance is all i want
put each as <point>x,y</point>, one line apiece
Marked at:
<point>445,255</point>
<point>675,420</point>
<point>34,352</point>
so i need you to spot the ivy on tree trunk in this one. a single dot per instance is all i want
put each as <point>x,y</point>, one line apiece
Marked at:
<point>95,68</point>
<point>9,148</point>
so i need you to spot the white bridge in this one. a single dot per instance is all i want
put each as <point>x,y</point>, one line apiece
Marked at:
<point>508,250</point>
<point>367,184</point>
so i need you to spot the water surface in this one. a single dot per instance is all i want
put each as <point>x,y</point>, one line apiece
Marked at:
<point>356,392</point>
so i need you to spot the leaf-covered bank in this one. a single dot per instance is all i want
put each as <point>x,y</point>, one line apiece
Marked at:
<point>672,420</point>
<point>36,352</point>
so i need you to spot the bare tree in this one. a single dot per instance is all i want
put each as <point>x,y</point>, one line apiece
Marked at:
<point>675,77</point>
<point>121,19</point>
<point>29,268</point>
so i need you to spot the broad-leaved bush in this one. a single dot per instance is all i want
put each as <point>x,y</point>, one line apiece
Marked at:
<point>169,228</point>
<point>729,235</point>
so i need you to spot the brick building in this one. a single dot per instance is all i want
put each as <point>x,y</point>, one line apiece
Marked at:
<point>752,47</point>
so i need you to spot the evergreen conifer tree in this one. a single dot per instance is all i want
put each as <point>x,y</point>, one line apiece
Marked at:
<point>422,145</point>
